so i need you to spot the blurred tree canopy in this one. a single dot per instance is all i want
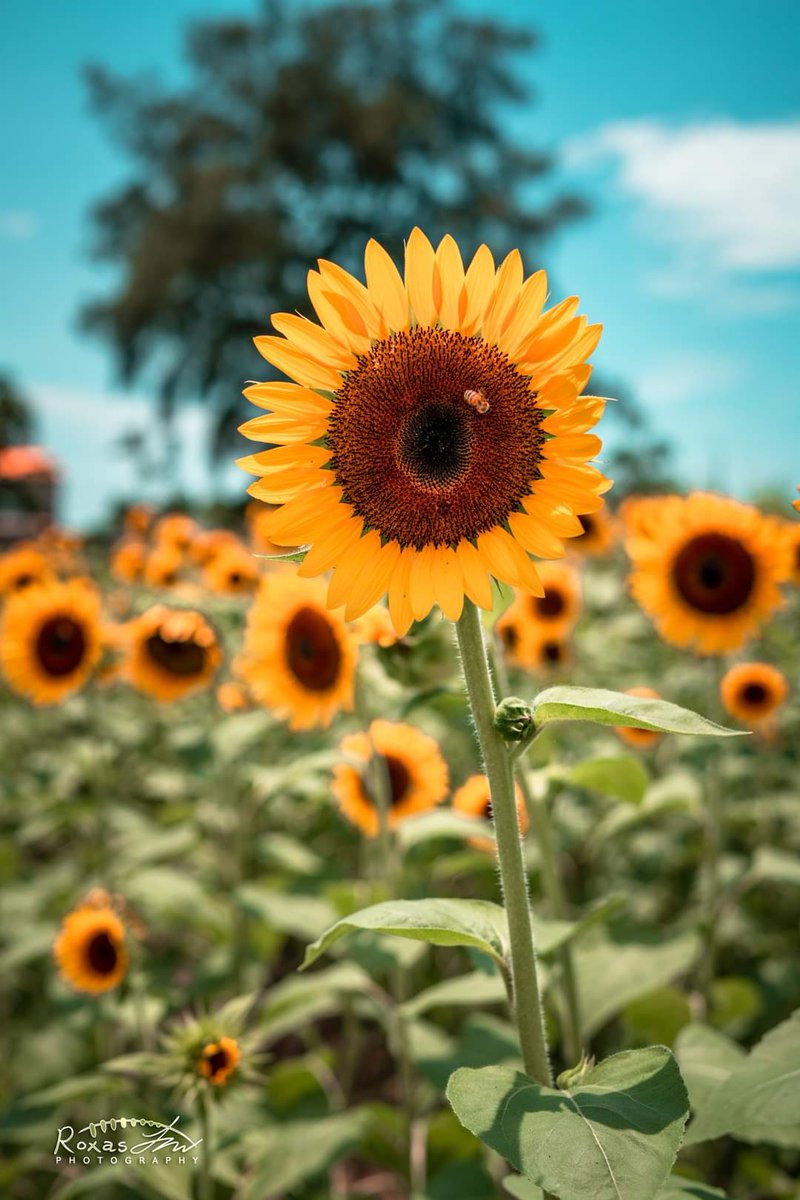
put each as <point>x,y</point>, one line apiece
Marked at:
<point>16,416</point>
<point>300,134</point>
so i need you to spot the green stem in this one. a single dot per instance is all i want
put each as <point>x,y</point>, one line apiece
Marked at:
<point>542,828</point>
<point>205,1181</point>
<point>712,848</point>
<point>527,1000</point>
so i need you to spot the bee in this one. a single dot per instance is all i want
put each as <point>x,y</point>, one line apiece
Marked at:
<point>476,400</point>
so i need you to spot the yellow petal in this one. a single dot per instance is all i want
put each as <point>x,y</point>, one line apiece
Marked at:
<point>375,582</point>
<point>296,365</point>
<point>419,277</point>
<point>529,309</point>
<point>421,583</point>
<point>479,285</point>
<point>287,398</point>
<point>506,297</point>
<point>534,535</point>
<point>399,602</point>
<point>449,276</point>
<point>314,340</point>
<point>477,583</point>
<point>385,286</point>
<point>448,583</point>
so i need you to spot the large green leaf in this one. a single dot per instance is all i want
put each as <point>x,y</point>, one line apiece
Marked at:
<point>753,1095</point>
<point>612,972</point>
<point>476,923</point>
<point>613,1136</point>
<point>622,776</point>
<point>283,1156</point>
<point>618,708</point>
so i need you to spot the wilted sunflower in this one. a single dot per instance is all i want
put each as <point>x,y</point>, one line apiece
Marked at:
<point>22,567</point>
<point>170,652</point>
<point>597,538</point>
<point>753,692</point>
<point>90,949</point>
<point>435,435</point>
<point>639,738</point>
<point>298,657</point>
<point>127,560</point>
<point>417,774</point>
<point>232,571</point>
<point>473,799</point>
<point>50,640</point>
<point>219,1060</point>
<point>706,569</point>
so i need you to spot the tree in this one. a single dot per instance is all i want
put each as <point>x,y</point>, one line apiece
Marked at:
<point>300,134</point>
<point>16,417</point>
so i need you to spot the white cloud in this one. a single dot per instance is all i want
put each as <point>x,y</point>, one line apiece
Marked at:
<point>18,225</point>
<point>725,194</point>
<point>686,379</point>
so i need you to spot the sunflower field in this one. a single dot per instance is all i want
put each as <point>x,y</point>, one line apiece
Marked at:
<point>433,830</point>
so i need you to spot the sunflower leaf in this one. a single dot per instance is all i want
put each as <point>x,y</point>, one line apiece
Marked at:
<point>618,708</point>
<point>294,556</point>
<point>613,1136</point>
<point>475,923</point>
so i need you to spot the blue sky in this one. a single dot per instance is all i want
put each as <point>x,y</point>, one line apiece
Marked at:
<point>681,123</point>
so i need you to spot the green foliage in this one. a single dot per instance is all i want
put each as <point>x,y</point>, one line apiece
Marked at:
<point>617,708</point>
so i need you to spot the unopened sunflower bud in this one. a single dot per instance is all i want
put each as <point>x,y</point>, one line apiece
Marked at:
<point>513,719</point>
<point>575,1075</point>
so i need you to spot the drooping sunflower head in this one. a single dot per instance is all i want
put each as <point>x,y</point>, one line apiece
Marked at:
<point>706,569</point>
<point>90,949</point>
<point>50,640</point>
<point>416,774</point>
<point>639,738</point>
<point>170,653</point>
<point>597,537</point>
<point>474,800</point>
<point>298,657</point>
<point>23,567</point>
<point>232,571</point>
<point>753,692</point>
<point>434,435</point>
<point>128,559</point>
<point>219,1060</point>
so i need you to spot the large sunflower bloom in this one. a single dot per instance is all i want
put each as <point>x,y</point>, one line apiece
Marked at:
<point>417,774</point>
<point>170,653</point>
<point>434,435</point>
<point>298,658</point>
<point>90,949</point>
<point>706,569</point>
<point>50,640</point>
<point>753,692</point>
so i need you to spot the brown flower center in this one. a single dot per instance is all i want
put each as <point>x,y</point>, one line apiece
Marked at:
<point>313,653</point>
<point>176,658</point>
<point>218,1061</point>
<point>102,954</point>
<point>754,694</point>
<point>550,605</point>
<point>552,652</point>
<point>61,645</point>
<point>399,779</point>
<point>414,458</point>
<point>509,635</point>
<point>714,574</point>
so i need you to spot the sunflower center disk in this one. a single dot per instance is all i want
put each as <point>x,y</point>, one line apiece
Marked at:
<point>714,574</point>
<point>60,646</point>
<point>551,604</point>
<point>178,658</point>
<point>754,693</point>
<point>415,460</point>
<point>313,653</point>
<point>399,779</point>
<point>102,954</point>
<point>218,1061</point>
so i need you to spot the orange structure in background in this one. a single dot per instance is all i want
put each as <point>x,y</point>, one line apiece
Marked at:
<point>29,479</point>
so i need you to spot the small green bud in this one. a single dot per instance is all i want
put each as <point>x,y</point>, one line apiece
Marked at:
<point>513,719</point>
<point>575,1075</point>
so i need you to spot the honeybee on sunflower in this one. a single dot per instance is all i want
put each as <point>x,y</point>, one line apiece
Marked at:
<point>640,739</point>
<point>50,640</point>
<point>706,569</point>
<point>474,800</point>
<point>298,657</point>
<point>416,773</point>
<point>753,692</point>
<point>22,567</point>
<point>170,653</point>
<point>434,435</point>
<point>90,949</point>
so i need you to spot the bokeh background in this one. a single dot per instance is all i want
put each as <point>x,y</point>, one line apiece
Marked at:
<point>171,168</point>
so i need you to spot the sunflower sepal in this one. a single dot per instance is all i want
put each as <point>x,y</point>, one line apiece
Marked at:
<point>619,709</point>
<point>291,556</point>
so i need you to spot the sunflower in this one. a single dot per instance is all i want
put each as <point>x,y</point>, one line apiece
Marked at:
<point>90,949</point>
<point>127,560</point>
<point>375,627</point>
<point>434,435</point>
<point>163,566</point>
<point>298,658</point>
<point>50,640</point>
<point>219,1059</point>
<point>207,543</point>
<point>175,530</point>
<point>232,697</point>
<point>560,605</point>
<point>22,567</point>
<point>417,774</point>
<point>170,652</point>
<point>706,569</point>
<point>639,738</point>
<point>597,538</point>
<point>753,692</point>
<point>256,515</point>
<point>530,644</point>
<point>473,799</point>
<point>232,571</point>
